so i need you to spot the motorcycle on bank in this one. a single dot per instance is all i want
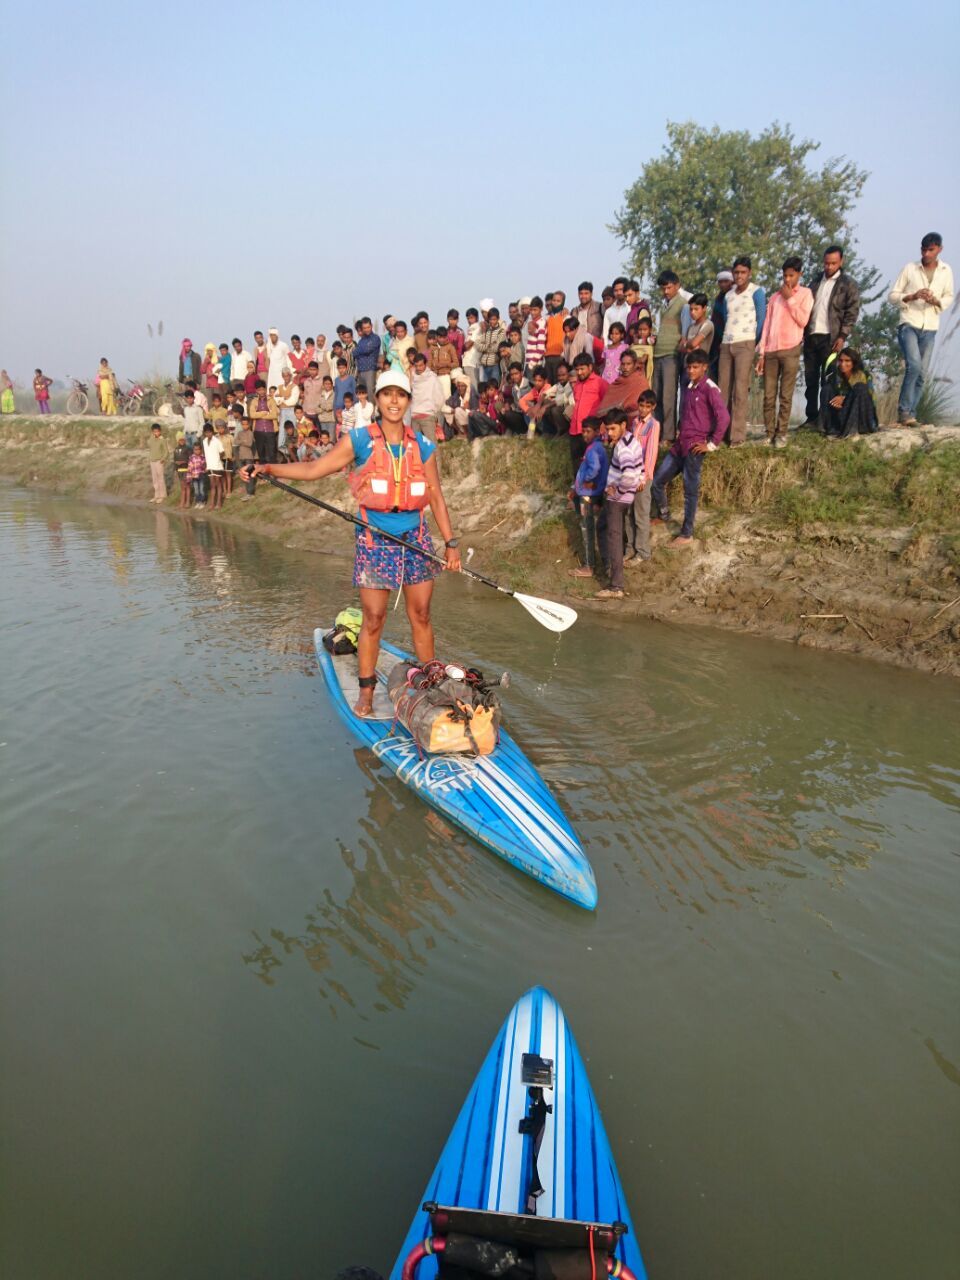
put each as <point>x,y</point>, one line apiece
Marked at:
<point>132,402</point>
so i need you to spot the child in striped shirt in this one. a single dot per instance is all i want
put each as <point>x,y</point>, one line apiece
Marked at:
<point>536,335</point>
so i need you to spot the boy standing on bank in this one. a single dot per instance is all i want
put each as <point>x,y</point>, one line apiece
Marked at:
<point>159,453</point>
<point>647,431</point>
<point>181,460</point>
<point>587,495</point>
<point>781,345</point>
<point>213,457</point>
<point>624,478</point>
<point>703,420</point>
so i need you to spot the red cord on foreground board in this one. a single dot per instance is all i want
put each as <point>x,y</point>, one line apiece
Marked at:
<point>394,478</point>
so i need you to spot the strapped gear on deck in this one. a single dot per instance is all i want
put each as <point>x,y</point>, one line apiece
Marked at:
<point>470,1243</point>
<point>537,1074</point>
<point>447,709</point>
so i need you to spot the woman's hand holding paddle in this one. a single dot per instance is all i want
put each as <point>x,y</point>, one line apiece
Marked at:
<point>553,616</point>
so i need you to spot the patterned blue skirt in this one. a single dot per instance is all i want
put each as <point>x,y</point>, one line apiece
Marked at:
<point>385,565</point>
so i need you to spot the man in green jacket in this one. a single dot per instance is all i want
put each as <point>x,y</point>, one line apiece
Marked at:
<point>159,453</point>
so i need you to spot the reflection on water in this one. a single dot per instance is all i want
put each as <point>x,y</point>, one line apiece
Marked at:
<point>772,968</point>
<point>399,904</point>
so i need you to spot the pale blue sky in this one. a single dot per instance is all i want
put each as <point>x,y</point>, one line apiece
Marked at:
<point>226,168</point>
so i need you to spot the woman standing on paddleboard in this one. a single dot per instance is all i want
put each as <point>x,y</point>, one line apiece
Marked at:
<point>395,478</point>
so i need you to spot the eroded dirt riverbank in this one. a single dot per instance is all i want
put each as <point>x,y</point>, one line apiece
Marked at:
<point>853,546</point>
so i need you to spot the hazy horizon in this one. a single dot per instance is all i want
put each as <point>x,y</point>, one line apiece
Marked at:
<point>401,164</point>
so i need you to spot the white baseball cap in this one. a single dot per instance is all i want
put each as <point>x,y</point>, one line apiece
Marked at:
<point>393,378</point>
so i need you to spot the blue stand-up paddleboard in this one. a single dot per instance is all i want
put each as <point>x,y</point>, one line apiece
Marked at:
<point>499,799</point>
<point>527,1179</point>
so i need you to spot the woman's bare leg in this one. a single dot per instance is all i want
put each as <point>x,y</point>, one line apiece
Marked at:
<point>416,598</point>
<point>373,603</point>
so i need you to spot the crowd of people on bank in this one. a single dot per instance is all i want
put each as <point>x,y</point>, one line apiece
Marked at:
<point>643,389</point>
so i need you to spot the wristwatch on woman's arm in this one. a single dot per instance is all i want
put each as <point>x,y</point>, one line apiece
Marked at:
<point>452,543</point>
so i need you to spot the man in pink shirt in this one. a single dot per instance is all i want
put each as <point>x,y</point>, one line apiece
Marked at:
<point>780,348</point>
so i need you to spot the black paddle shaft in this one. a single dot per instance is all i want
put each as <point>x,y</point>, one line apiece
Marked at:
<point>345,515</point>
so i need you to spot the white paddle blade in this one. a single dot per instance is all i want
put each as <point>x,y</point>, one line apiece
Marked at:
<point>555,617</point>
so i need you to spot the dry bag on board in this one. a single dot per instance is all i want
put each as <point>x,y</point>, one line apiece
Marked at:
<point>343,637</point>
<point>447,709</point>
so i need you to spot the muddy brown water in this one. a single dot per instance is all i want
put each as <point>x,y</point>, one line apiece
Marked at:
<point>246,978</point>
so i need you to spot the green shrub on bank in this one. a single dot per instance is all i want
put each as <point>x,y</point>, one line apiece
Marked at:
<point>931,487</point>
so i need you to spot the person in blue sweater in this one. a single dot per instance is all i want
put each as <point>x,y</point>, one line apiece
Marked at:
<point>366,354</point>
<point>586,495</point>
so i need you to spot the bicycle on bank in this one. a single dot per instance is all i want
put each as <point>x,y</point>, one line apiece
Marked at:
<point>164,400</point>
<point>78,401</point>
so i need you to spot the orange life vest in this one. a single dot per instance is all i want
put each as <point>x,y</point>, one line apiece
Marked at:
<point>388,483</point>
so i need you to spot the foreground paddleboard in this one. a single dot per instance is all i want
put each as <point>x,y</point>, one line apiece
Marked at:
<point>489,1164</point>
<point>499,799</point>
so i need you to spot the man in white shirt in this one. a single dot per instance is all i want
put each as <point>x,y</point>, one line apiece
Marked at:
<point>278,359</point>
<point>213,452</point>
<point>238,364</point>
<point>922,291</point>
<point>426,398</point>
<point>471,356</point>
<point>618,310</point>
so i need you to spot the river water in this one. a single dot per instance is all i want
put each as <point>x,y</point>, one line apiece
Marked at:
<point>247,979</point>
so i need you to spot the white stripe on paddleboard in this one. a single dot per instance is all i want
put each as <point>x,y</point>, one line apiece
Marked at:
<point>562,836</point>
<point>532,806</point>
<point>522,818</point>
<point>547,1204</point>
<point>503,1083</point>
<point>513,1101</point>
<point>560,1115</point>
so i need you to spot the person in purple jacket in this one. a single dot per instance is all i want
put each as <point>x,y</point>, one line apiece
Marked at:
<point>704,418</point>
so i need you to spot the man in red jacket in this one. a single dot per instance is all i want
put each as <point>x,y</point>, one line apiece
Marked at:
<point>588,389</point>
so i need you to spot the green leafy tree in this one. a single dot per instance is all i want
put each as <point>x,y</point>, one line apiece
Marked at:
<point>876,338</point>
<point>712,195</point>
